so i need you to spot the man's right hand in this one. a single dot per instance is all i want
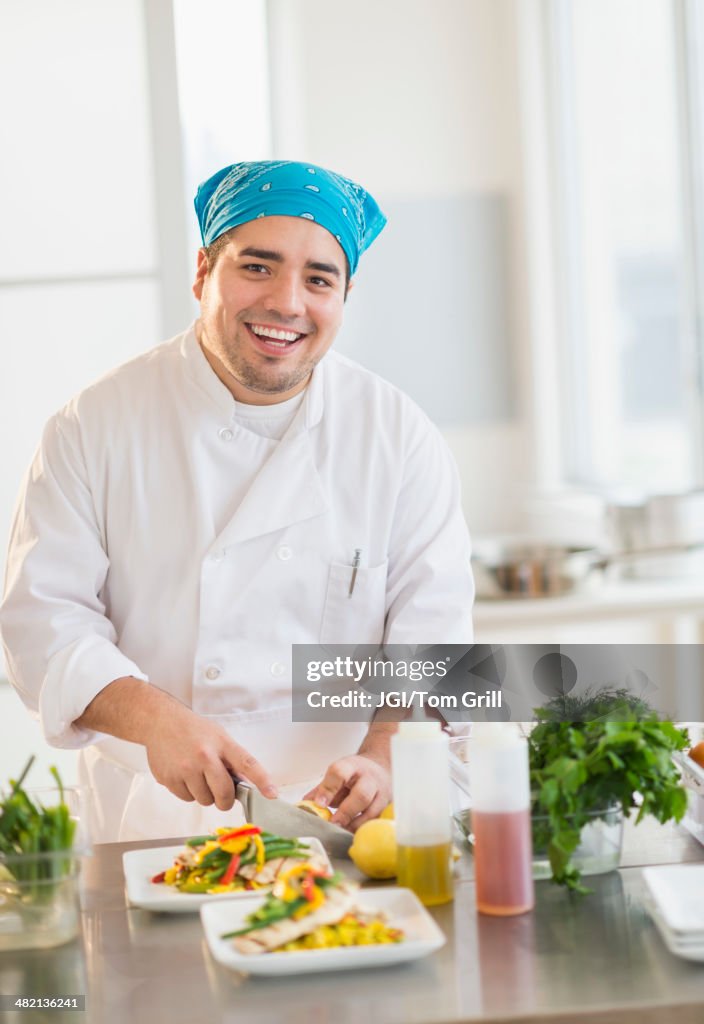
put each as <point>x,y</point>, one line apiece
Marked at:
<point>191,756</point>
<point>195,759</point>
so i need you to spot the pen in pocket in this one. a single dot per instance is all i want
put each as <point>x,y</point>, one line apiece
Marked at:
<point>355,566</point>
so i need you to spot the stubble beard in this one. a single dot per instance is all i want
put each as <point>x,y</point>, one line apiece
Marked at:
<point>267,379</point>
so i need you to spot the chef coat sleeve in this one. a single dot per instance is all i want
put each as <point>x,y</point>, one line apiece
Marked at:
<point>430,589</point>
<point>60,647</point>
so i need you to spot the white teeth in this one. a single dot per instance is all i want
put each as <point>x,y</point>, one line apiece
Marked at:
<point>269,332</point>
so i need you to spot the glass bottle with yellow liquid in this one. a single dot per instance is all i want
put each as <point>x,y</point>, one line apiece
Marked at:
<point>421,782</point>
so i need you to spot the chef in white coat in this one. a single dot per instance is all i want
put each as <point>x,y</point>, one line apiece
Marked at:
<point>197,511</point>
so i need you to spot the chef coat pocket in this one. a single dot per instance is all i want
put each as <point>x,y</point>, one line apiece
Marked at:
<point>359,617</point>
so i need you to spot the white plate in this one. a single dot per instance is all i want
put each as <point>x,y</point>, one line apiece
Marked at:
<point>401,907</point>
<point>688,948</point>
<point>677,891</point>
<point>140,866</point>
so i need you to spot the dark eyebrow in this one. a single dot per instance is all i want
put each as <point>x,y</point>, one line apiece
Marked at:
<point>277,257</point>
<point>262,254</point>
<point>327,268</point>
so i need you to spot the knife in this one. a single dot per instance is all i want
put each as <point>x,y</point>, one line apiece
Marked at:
<point>283,819</point>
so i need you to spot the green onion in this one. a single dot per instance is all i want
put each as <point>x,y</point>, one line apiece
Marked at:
<point>29,829</point>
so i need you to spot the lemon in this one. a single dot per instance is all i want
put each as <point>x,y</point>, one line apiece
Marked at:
<point>374,848</point>
<point>388,813</point>
<point>321,812</point>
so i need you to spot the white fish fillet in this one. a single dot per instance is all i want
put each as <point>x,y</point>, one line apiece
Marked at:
<point>339,901</point>
<point>274,867</point>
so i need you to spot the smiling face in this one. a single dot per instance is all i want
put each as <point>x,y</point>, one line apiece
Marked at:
<point>271,306</point>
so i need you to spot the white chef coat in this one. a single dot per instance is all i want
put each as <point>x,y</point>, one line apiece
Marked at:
<point>157,537</point>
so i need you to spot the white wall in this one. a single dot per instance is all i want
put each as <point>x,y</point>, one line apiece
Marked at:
<point>79,258</point>
<point>20,736</point>
<point>418,100</point>
<point>82,278</point>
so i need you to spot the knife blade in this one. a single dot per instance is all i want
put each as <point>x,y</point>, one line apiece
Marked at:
<point>283,819</point>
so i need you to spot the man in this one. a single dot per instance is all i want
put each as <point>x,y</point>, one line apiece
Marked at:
<point>197,511</point>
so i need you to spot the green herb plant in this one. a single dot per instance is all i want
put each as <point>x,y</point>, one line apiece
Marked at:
<point>603,750</point>
<point>29,829</point>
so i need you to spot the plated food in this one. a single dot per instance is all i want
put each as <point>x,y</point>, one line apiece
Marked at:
<point>311,908</point>
<point>234,860</point>
<point>226,864</point>
<point>329,943</point>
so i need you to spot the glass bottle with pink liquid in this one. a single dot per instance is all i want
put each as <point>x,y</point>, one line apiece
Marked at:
<point>500,783</point>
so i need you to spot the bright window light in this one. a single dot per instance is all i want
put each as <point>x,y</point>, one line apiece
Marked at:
<point>620,168</point>
<point>223,79</point>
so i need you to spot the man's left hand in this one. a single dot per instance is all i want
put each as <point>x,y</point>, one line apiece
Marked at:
<point>358,785</point>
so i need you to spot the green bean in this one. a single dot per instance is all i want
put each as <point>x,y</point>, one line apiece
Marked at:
<point>214,856</point>
<point>286,850</point>
<point>199,840</point>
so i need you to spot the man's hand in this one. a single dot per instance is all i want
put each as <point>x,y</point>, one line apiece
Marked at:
<point>189,755</point>
<point>359,786</point>
<point>195,760</point>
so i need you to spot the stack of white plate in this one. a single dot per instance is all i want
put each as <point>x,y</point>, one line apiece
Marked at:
<point>675,901</point>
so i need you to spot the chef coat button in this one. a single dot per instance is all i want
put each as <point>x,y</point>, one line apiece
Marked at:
<point>277,669</point>
<point>217,556</point>
<point>284,553</point>
<point>225,434</point>
<point>212,672</point>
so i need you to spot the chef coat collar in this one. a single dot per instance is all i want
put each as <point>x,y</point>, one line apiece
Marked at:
<point>308,415</point>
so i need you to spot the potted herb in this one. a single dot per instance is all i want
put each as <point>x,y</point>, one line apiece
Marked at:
<point>591,756</point>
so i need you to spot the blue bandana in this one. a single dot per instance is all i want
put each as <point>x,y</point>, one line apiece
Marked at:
<point>268,188</point>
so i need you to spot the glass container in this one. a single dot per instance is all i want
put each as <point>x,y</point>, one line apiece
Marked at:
<point>39,905</point>
<point>599,850</point>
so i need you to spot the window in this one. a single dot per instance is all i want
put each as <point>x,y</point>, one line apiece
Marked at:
<point>223,85</point>
<point>626,131</point>
<point>80,264</point>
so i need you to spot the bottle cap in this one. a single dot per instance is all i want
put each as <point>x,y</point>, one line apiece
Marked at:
<point>427,730</point>
<point>495,734</point>
<point>499,770</point>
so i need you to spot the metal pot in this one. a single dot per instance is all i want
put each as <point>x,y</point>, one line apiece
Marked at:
<point>662,521</point>
<point>527,569</point>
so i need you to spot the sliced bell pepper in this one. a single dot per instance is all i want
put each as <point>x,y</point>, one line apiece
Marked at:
<point>260,851</point>
<point>239,833</point>
<point>315,900</point>
<point>320,872</point>
<point>159,878</point>
<point>230,870</point>
<point>196,886</point>
<point>237,845</point>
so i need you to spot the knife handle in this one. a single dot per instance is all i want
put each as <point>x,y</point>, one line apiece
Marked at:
<point>243,793</point>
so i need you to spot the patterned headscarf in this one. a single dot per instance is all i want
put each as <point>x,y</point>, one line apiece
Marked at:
<point>266,188</point>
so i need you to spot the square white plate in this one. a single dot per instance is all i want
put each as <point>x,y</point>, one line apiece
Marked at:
<point>401,907</point>
<point>140,866</point>
<point>677,891</point>
<point>689,949</point>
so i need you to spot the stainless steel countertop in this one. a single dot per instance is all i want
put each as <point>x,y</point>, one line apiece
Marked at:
<point>598,959</point>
